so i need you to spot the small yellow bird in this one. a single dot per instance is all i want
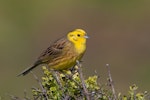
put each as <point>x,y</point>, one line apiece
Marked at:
<point>63,53</point>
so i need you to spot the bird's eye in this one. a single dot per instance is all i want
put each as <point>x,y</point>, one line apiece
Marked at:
<point>78,35</point>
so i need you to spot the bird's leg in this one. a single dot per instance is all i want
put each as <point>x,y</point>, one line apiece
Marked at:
<point>72,69</point>
<point>75,67</point>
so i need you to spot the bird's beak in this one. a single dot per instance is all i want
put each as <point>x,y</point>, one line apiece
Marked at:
<point>86,37</point>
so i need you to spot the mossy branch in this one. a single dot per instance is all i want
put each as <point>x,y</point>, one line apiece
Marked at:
<point>71,85</point>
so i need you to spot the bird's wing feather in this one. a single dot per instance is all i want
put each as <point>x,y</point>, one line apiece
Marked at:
<point>53,51</point>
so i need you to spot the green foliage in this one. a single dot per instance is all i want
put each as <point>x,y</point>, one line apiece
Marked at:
<point>68,85</point>
<point>61,85</point>
<point>134,95</point>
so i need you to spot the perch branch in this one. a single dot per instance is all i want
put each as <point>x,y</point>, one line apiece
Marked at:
<point>82,80</point>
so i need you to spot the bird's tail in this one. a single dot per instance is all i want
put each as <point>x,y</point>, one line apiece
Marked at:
<point>27,70</point>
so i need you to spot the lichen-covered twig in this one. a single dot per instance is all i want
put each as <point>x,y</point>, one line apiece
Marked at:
<point>82,80</point>
<point>111,82</point>
<point>55,75</point>
<point>40,84</point>
<point>57,78</point>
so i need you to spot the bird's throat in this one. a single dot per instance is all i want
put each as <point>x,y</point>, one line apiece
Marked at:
<point>80,48</point>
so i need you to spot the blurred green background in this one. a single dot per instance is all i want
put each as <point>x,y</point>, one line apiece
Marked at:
<point>119,35</point>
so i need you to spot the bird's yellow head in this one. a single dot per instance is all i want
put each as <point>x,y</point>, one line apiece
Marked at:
<point>78,36</point>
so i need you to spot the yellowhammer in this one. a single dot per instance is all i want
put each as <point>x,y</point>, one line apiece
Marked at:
<point>63,53</point>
